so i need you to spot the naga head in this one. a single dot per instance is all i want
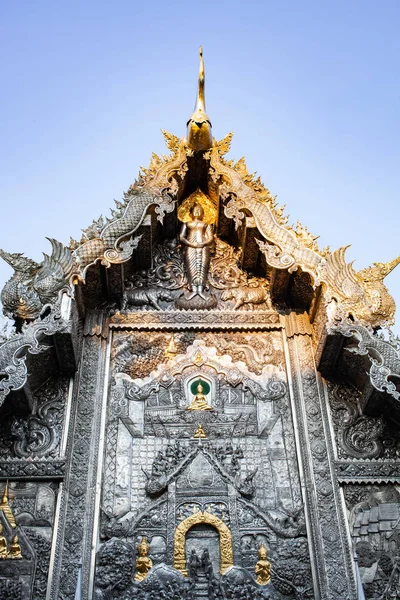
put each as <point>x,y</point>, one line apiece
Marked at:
<point>378,271</point>
<point>199,135</point>
<point>20,263</point>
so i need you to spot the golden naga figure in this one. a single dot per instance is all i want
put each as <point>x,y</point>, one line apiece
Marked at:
<point>198,238</point>
<point>15,548</point>
<point>3,544</point>
<point>199,401</point>
<point>143,562</point>
<point>263,567</point>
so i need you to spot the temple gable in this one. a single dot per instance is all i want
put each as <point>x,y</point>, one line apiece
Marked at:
<point>196,401</point>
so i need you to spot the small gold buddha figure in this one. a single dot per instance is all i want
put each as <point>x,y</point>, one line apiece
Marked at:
<point>263,567</point>
<point>3,544</point>
<point>143,562</point>
<point>15,548</point>
<point>172,349</point>
<point>200,433</point>
<point>199,401</point>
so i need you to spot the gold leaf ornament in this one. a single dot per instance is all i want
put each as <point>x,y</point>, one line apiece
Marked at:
<point>197,197</point>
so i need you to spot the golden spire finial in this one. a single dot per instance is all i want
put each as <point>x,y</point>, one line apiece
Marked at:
<point>199,125</point>
<point>200,100</point>
<point>5,507</point>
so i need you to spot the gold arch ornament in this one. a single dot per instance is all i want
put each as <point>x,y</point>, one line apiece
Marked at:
<point>225,540</point>
<point>197,197</point>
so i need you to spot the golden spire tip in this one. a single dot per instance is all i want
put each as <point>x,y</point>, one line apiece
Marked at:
<point>199,134</point>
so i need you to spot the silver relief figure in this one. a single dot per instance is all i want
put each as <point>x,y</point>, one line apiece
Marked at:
<point>197,236</point>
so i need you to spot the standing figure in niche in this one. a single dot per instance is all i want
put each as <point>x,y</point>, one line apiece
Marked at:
<point>193,565</point>
<point>263,567</point>
<point>198,238</point>
<point>143,562</point>
<point>206,564</point>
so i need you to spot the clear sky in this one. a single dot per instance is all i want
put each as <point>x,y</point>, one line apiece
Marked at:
<point>311,90</point>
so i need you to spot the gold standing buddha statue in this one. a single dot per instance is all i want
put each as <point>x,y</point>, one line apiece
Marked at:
<point>143,562</point>
<point>263,567</point>
<point>199,401</point>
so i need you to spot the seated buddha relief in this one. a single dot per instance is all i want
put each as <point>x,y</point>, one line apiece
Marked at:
<point>199,401</point>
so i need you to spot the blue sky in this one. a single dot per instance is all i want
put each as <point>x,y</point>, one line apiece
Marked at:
<point>310,89</point>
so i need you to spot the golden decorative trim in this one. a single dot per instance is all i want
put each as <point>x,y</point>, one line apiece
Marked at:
<point>225,540</point>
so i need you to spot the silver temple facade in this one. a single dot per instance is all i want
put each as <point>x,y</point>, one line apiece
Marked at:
<point>198,402</point>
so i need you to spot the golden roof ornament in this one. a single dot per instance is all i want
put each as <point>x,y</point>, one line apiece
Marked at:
<point>5,507</point>
<point>378,271</point>
<point>199,136</point>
